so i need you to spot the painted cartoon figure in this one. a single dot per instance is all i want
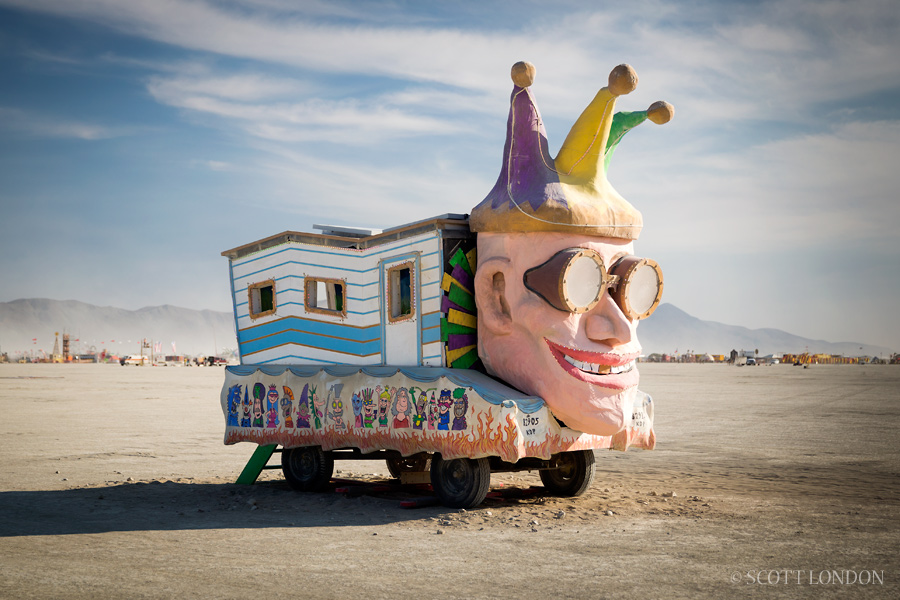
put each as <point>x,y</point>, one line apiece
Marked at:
<point>368,403</point>
<point>245,420</point>
<point>419,415</point>
<point>303,408</point>
<point>272,412</point>
<point>384,404</point>
<point>431,411</point>
<point>460,406</point>
<point>259,391</point>
<point>558,289</point>
<point>357,402</point>
<point>444,404</point>
<point>317,406</point>
<point>234,402</point>
<point>336,405</point>
<point>401,409</point>
<point>287,406</point>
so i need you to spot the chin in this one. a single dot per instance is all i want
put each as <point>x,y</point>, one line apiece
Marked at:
<point>611,416</point>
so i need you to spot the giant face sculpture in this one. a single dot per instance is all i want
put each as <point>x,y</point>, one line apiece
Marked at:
<point>558,290</point>
<point>581,362</point>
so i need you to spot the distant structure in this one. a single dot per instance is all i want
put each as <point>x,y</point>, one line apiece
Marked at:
<point>55,356</point>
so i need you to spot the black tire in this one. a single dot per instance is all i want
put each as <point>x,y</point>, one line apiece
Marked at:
<point>571,473</point>
<point>407,464</point>
<point>461,482</point>
<point>307,469</point>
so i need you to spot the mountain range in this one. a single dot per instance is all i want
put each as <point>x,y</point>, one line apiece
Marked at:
<point>29,325</point>
<point>671,330</point>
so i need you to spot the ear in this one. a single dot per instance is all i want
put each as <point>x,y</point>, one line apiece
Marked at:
<point>490,295</point>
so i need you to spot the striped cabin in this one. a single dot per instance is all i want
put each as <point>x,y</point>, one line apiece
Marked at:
<point>358,297</point>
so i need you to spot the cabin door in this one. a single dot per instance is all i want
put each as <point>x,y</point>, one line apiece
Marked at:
<point>400,311</point>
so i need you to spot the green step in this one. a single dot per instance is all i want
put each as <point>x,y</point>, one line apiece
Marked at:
<point>256,464</point>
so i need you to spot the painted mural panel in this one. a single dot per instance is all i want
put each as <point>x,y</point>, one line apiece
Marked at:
<point>408,410</point>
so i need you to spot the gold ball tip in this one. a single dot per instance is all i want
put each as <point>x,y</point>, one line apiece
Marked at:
<point>622,80</point>
<point>523,73</point>
<point>660,112</point>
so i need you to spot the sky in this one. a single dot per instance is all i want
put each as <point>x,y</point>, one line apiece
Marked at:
<point>140,139</point>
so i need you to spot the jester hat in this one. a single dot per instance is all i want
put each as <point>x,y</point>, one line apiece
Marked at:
<point>570,193</point>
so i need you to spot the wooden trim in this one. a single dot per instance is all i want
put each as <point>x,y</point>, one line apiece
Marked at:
<point>412,292</point>
<point>307,279</point>
<point>321,350</point>
<point>250,327</point>
<point>324,335</point>
<point>257,286</point>
<point>335,241</point>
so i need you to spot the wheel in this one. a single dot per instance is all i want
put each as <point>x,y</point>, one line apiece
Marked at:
<point>307,469</point>
<point>461,482</point>
<point>406,464</point>
<point>570,473</point>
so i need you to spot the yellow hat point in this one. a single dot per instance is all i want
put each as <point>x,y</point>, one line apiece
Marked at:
<point>622,80</point>
<point>522,74</point>
<point>660,112</point>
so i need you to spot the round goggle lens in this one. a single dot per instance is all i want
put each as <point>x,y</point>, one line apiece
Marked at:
<point>583,282</point>
<point>643,289</point>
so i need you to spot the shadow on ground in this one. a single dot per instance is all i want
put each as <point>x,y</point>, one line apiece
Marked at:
<point>169,505</point>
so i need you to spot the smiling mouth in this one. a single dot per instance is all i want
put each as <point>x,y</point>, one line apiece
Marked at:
<point>605,369</point>
<point>597,368</point>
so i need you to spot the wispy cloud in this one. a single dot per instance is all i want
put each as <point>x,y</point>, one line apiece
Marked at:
<point>251,102</point>
<point>448,56</point>
<point>214,165</point>
<point>783,58</point>
<point>242,87</point>
<point>43,55</point>
<point>822,190</point>
<point>331,191</point>
<point>38,125</point>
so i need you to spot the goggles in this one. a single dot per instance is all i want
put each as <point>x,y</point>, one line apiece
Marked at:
<point>575,279</point>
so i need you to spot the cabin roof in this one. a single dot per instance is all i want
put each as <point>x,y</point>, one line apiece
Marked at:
<point>452,224</point>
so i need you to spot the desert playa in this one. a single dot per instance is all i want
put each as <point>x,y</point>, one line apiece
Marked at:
<point>116,484</point>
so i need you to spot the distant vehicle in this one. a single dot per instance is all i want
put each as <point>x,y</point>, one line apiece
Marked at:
<point>210,361</point>
<point>751,361</point>
<point>134,359</point>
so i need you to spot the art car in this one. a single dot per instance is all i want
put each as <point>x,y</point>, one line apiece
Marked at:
<point>461,345</point>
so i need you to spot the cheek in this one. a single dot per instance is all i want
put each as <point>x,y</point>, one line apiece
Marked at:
<point>535,317</point>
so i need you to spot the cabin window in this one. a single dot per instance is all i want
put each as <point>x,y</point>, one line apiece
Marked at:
<point>326,296</point>
<point>262,299</point>
<point>400,292</point>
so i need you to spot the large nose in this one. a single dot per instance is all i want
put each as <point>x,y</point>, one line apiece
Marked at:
<point>607,324</point>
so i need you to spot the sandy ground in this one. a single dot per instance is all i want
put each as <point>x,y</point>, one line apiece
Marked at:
<point>115,483</point>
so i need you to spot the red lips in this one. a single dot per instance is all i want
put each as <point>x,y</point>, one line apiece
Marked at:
<point>604,369</point>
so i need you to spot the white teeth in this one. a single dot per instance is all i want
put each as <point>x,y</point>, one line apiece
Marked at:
<point>598,369</point>
<point>622,369</point>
